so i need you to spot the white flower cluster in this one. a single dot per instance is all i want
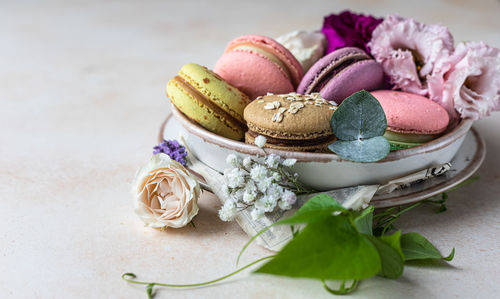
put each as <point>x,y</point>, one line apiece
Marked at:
<point>260,186</point>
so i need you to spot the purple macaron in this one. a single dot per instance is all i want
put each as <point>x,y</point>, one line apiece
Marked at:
<point>342,73</point>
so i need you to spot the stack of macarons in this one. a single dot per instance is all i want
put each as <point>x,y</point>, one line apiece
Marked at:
<point>258,87</point>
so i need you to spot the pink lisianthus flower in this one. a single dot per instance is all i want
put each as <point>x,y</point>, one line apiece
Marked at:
<point>409,51</point>
<point>472,81</point>
<point>348,30</point>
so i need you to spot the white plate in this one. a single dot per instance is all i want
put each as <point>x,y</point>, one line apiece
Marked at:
<point>465,163</point>
<point>469,156</point>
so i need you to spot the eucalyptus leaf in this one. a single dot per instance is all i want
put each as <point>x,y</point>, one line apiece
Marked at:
<point>330,249</point>
<point>359,123</point>
<point>363,221</point>
<point>391,255</point>
<point>360,116</point>
<point>417,247</point>
<point>315,209</point>
<point>366,150</point>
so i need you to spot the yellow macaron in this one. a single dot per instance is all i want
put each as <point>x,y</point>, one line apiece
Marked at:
<point>207,99</point>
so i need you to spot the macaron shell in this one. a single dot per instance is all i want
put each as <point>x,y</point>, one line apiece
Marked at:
<point>200,113</point>
<point>252,73</point>
<point>366,74</point>
<point>227,97</point>
<point>274,48</point>
<point>411,113</point>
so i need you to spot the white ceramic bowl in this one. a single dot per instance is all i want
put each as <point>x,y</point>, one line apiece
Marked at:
<point>323,171</point>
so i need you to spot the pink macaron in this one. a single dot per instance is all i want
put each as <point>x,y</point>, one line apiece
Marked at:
<point>411,119</point>
<point>257,64</point>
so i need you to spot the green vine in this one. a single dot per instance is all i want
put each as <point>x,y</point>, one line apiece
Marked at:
<point>130,277</point>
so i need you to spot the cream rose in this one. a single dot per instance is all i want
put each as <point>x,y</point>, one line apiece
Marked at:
<point>166,193</point>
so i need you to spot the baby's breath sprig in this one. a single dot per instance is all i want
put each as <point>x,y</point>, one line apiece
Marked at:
<point>264,184</point>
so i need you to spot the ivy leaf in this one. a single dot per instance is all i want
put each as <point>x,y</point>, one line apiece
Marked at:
<point>359,123</point>
<point>366,150</point>
<point>330,249</point>
<point>416,247</point>
<point>391,254</point>
<point>315,209</point>
<point>149,290</point>
<point>364,221</point>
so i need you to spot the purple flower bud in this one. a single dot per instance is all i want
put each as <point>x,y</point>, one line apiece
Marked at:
<point>173,149</point>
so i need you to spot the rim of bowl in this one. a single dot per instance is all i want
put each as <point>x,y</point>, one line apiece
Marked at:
<point>460,130</point>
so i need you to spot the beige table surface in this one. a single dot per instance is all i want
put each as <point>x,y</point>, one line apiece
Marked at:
<point>82,96</point>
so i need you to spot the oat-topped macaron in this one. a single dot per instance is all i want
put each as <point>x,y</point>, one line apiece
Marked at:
<point>291,122</point>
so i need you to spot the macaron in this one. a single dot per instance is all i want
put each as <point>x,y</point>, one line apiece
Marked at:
<point>411,119</point>
<point>208,100</point>
<point>257,64</point>
<point>342,73</point>
<point>291,122</point>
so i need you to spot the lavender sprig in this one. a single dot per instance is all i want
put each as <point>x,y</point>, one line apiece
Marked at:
<point>173,149</point>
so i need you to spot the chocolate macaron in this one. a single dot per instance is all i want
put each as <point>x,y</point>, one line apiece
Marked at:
<point>342,73</point>
<point>291,122</point>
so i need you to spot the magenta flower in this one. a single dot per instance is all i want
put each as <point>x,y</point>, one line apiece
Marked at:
<point>348,30</point>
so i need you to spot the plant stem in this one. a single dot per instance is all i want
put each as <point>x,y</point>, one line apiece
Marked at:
<point>129,277</point>
<point>342,290</point>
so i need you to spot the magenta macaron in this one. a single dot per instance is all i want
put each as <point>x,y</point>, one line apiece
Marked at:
<point>257,64</point>
<point>342,73</point>
<point>411,119</point>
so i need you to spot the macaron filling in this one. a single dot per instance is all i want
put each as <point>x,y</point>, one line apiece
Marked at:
<point>208,103</point>
<point>263,52</point>
<point>332,69</point>
<point>294,142</point>
<point>409,137</point>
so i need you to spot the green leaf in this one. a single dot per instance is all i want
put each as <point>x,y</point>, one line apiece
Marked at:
<point>363,221</point>
<point>149,290</point>
<point>362,150</point>
<point>391,255</point>
<point>360,116</point>
<point>315,209</point>
<point>330,249</point>
<point>416,247</point>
